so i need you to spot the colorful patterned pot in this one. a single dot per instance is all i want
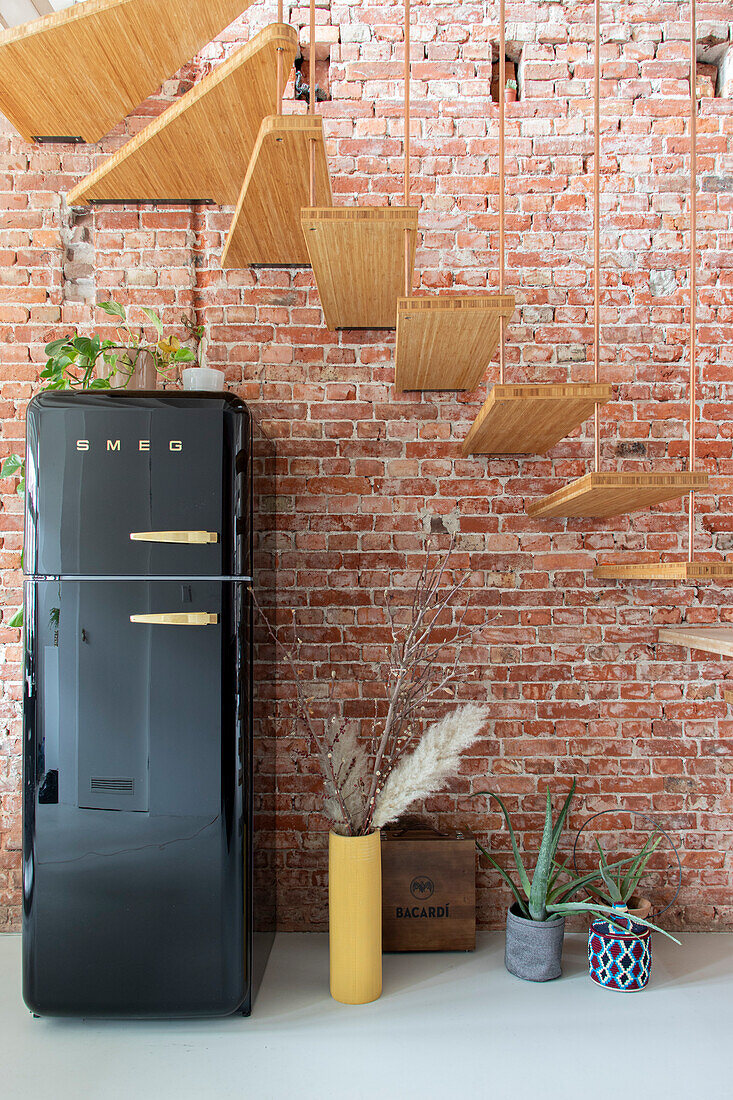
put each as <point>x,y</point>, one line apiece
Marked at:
<point>620,954</point>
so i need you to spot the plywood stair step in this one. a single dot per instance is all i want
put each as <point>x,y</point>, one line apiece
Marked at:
<point>446,342</point>
<point>665,571</point>
<point>708,639</point>
<point>614,494</point>
<point>266,228</point>
<point>76,73</point>
<point>200,148</point>
<point>530,419</point>
<point>358,260</point>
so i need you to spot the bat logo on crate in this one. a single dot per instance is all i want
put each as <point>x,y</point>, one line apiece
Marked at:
<point>422,887</point>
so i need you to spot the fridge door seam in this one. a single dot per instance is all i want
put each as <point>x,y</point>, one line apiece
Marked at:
<point>241,577</point>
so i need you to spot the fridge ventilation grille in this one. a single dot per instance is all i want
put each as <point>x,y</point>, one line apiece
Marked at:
<point>116,786</point>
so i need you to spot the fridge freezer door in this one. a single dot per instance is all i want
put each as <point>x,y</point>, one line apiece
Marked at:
<point>135,800</point>
<point>125,485</point>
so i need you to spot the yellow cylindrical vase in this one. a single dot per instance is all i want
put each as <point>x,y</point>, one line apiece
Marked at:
<point>355,917</point>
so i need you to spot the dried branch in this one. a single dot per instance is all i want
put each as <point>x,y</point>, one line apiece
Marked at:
<point>357,775</point>
<point>305,711</point>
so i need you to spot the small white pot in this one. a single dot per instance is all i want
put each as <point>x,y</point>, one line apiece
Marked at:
<point>203,378</point>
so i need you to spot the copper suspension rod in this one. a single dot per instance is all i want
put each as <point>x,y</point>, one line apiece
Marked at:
<point>408,273</point>
<point>597,228</point>
<point>502,78</point>
<point>279,63</point>
<point>693,270</point>
<point>312,99</point>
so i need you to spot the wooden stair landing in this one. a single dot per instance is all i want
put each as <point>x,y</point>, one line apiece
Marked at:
<point>199,149</point>
<point>446,342</point>
<point>266,228</point>
<point>76,73</point>
<point>665,571</point>
<point>358,260</point>
<point>614,494</point>
<point>708,639</point>
<point>530,419</point>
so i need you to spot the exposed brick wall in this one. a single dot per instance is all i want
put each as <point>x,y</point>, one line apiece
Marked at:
<point>570,666</point>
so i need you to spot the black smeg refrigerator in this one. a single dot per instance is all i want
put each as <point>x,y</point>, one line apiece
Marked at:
<point>148,786</point>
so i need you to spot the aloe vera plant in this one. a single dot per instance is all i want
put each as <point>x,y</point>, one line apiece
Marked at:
<point>545,897</point>
<point>617,882</point>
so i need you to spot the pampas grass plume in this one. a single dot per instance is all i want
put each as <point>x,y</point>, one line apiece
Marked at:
<point>434,759</point>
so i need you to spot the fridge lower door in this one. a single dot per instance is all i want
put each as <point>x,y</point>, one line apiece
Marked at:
<point>135,798</point>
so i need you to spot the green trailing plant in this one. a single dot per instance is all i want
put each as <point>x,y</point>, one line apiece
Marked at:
<point>74,361</point>
<point>14,466</point>
<point>616,883</point>
<point>195,332</point>
<point>549,893</point>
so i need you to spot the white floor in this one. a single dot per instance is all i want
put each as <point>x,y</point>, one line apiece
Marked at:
<point>447,1026</point>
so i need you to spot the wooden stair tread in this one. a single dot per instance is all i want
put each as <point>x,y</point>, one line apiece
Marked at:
<point>266,228</point>
<point>614,494</point>
<point>199,149</point>
<point>728,696</point>
<point>358,260</point>
<point>446,342</point>
<point>708,639</point>
<point>530,419</point>
<point>662,571</point>
<point>76,73</point>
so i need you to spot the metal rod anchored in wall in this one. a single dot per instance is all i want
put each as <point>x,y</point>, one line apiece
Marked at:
<point>312,99</point>
<point>502,78</point>
<point>693,272</point>
<point>408,273</point>
<point>597,230</point>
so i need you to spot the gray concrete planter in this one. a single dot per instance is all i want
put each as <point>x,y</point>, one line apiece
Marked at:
<point>533,948</point>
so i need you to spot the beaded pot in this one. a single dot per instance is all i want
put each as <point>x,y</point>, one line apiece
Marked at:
<point>620,953</point>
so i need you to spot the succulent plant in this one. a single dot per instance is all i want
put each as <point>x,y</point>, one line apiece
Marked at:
<point>545,897</point>
<point>616,882</point>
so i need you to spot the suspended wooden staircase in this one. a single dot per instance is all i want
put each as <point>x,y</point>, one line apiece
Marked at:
<point>227,141</point>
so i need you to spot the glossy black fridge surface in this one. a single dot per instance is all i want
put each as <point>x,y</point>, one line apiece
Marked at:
<point>148,802</point>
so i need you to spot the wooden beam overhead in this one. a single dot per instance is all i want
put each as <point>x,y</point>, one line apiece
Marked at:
<point>708,639</point>
<point>665,571</point>
<point>530,419</point>
<point>613,494</point>
<point>199,149</point>
<point>266,227</point>
<point>445,342</point>
<point>78,72</point>
<point>358,260</point>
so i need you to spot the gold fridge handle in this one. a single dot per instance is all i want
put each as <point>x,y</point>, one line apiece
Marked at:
<point>175,536</point>
<point>178,618</point>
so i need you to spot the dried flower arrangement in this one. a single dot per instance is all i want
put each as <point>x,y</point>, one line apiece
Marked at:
<point>371,781</point>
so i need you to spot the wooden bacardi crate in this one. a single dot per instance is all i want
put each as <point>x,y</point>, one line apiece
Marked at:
<point>428,891</point>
